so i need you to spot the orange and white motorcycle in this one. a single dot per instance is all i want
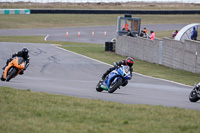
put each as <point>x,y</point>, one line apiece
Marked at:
<point>13,68</point>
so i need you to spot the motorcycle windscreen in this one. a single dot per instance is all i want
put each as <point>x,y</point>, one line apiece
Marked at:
<point>20,60</point>
<point>125,72</point>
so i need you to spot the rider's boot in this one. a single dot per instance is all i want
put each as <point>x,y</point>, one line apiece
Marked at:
<point>22,72</point>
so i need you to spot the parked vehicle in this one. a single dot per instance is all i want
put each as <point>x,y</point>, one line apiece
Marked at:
<point>115,79</point>
<point>13,69</point>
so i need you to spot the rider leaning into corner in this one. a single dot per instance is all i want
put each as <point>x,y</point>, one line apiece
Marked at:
<point>129,62</point>
<point>23,53</point>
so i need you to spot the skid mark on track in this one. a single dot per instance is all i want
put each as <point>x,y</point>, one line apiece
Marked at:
<point>54,59</point>
<point>44,67</point>
<point>51,59</point>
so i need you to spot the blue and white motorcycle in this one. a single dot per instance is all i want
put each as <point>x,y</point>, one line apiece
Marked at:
<point>115,79</point>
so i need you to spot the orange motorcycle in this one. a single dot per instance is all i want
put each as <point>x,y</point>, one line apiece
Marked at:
<point>13,69</point>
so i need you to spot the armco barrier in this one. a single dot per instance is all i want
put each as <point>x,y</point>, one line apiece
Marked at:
<point>15,11</point>
<point>168,52</point>
<point>92,11</point>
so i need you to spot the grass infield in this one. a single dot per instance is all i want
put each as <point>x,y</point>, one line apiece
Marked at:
<point>77,20</point>
<point>22,111</point>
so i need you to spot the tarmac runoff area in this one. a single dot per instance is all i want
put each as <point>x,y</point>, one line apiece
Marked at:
<point>55,70</point>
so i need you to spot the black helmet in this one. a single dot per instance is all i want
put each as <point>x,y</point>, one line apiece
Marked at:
<point>129,61</point>
<point>24,51</point>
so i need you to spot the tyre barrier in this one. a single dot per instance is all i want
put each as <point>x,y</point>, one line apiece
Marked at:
<point>72,11</point>
<point>109,46</point>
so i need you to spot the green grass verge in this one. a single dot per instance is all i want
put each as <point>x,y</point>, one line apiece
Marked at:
<point>22,111</point>
<point>77,20</point>
<point>97,51</point>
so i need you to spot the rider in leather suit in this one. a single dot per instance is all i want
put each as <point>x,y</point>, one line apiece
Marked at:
<point>23,53</point>
<point>129,62</point>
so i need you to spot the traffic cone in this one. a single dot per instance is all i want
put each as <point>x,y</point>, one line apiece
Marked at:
<point>67,33</point>
<point>79,34</point>
<point>92,33</point>
<point>105,33</point>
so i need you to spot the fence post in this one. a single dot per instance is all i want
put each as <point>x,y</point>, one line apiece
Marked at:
<point>160,52</point>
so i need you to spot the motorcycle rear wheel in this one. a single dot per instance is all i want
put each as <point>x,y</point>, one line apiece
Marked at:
<point>11,74</point>
<point>98,88</point>
<point>193,97</point>
<point>114,86</point>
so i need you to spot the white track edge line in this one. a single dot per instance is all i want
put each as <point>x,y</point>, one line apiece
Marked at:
<point>46,37</point>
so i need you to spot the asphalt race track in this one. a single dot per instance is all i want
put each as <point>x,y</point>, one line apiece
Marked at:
<point>55,70</point>
<point>58,71</point>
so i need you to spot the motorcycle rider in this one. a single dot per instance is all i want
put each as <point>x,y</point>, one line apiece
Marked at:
<point>129,62</point>
<point>24,54</point>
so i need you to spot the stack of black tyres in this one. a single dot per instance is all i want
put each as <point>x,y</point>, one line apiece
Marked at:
<point>108,46</point>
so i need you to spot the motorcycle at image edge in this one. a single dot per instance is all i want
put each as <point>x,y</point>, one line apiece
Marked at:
<point>195,93</point>
<point>13,69</point>
<point>115,79</point>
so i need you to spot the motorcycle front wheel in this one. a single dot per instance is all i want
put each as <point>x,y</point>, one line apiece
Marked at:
<point>113,87</point>
<point>11,73</point>
<point>193,97</point>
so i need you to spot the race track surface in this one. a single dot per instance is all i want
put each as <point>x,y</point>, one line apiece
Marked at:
<point>58,71</point>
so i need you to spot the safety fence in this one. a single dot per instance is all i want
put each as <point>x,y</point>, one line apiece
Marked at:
<point>72,11</point>
<point>93,11</point>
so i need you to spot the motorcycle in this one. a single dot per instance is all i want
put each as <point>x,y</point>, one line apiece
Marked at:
<point>114,80</point>
<point>13,68</point>
<point>195,93</point>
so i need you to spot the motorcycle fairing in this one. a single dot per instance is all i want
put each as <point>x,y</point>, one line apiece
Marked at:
<point>13,63</point>
<point>124,71</point>
<point>106,84</point>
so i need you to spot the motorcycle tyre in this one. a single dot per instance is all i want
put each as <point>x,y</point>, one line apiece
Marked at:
<point>193,98</point>
<point>125,83</point>
<point>98,88</point>
<point>12,74</point>
<point>115,86</point>
<point>2,79</point>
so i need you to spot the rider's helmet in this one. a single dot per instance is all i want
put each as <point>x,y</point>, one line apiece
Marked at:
<point>129,61</point>
<point>25,51</point>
